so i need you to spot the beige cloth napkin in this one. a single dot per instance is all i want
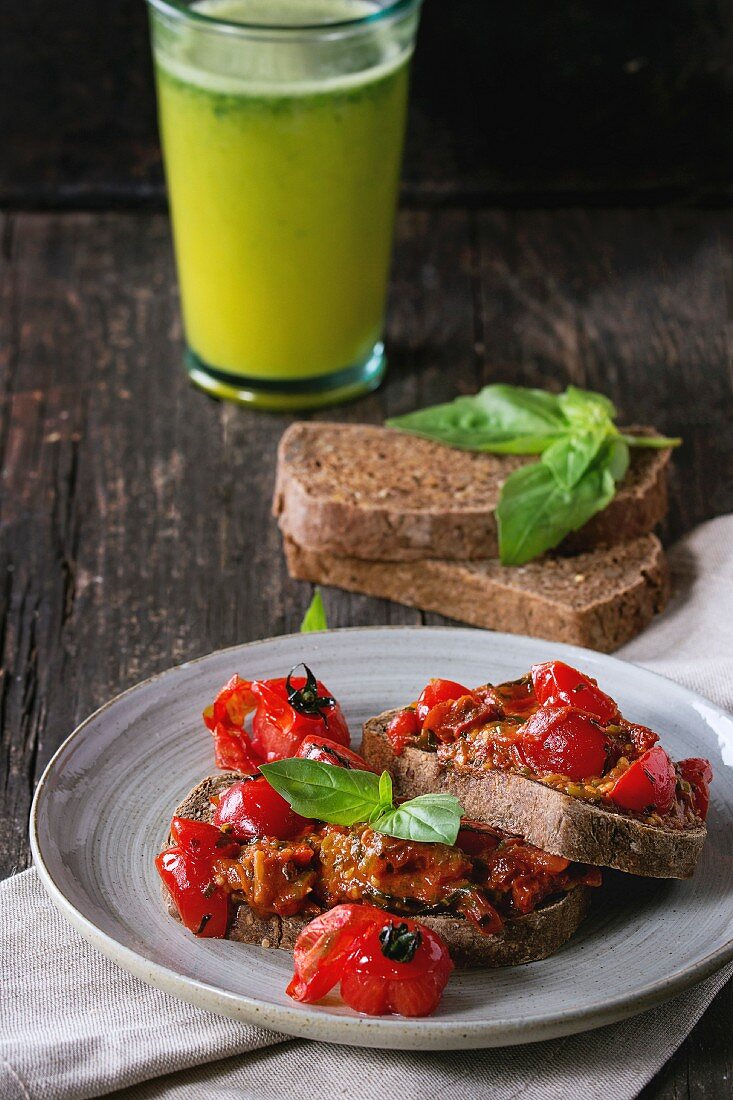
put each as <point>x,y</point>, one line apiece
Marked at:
<point>73,1025</point>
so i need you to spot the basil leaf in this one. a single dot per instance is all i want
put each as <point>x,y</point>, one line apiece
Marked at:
<point>616,456</point>
<point>385,788</point>
<point>535,512</point>
<point>569,458</point>
<point>506,419</point>
<point>315,616</point>
<point>660,441</point>
<point>584,408</point>
<point>341,796</point>
<point>345,796</point>
<point>431,819</point>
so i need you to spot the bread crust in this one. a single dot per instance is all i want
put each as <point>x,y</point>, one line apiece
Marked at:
<point>599,599</point>
<point>362,491</point>
<point>522,940</point>
<point>549,819</point>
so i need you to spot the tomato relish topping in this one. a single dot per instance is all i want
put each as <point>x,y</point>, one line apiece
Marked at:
<point>557,726</point>
<point>486,878</point>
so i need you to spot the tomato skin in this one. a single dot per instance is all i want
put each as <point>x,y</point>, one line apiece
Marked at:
<point>322,948</point>
<point>200,839</point>
<point>453,717</point>
<point>475,838</point>
<point>558,685</point>
<point>437,691</point>
<point>278,728</point>
<point>651,781</point>
<point>186,870</point>
<point>403,728</point>
<point>315,747</point>
<point>344,945</point>
<point>641,737</point>
<point>563,740</point>
<point>233,751</point>
<point>515,697</point>
<point>699,775</point>
<point>225,719</point>
<point>375,985</point>
<point>254,809</point>
<point>232,704</point>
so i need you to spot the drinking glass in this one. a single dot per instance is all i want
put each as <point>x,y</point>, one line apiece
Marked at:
<point>282,125</point>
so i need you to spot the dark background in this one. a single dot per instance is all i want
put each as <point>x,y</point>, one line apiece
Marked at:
<point>536,101</point>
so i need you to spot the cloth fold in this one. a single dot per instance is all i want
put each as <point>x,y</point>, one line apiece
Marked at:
<point>73,1025</point>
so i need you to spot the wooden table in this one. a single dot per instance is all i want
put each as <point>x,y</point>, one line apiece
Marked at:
<point>135,512</point>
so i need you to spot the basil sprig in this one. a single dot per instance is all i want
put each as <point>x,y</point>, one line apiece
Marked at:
<point>583,456</point>
<point>315,616</point>
<point>347,796</point>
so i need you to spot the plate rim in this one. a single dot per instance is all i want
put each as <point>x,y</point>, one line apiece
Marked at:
<point>391,1031</point>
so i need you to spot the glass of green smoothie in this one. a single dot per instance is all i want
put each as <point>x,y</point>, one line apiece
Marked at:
<point>282,124</point>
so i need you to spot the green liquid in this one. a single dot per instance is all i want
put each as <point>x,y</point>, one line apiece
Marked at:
<point>282,199</point>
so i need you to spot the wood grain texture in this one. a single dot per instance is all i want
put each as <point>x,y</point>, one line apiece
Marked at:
<point>134,512</point>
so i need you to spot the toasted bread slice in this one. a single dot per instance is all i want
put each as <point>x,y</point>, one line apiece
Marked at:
<point>362,491</point>
<point>523,939</point>
<point>549,819</point>
<point>598,599</point>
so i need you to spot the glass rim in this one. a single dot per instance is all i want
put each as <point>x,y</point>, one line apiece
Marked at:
<point>180,9</point>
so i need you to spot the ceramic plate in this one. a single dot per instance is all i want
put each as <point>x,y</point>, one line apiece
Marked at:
<point>103,805</point>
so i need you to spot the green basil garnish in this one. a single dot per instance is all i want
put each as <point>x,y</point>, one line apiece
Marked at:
<point>343,796</point>
<point>582,457</point>
<point>315,616</point>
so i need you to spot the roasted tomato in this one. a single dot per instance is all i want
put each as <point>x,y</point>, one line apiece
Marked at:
<point>252,808</point>
<point>477,839</point>
<point>438,691</point>
<point>225,718</point>
<point>186,870</point>
<point>558,685</point>
<point>515,697</point>
<point>285,711</point>
<point>291,709</point>
<point>315,747</point>
<point>403,728</point>
<point>400,966</point>
<point>641,737</point>
<point>385,964</point>
<point>447,721</point>
<point>698,773</point>
<point>649,783</point>
<point>324,945</point>
<point>563,740</point>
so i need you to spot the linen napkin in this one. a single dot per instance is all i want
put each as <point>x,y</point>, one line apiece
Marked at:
<point>73,1025</point>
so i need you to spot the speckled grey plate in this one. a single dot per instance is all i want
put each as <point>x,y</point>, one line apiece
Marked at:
<point>104,802</point>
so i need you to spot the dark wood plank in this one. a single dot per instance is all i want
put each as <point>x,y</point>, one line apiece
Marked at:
<point>134,512</point>
<point>702,1068</point>
<point>637,307</point>
<point>564,102</point>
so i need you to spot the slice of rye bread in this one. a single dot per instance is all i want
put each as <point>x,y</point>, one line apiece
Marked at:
<point>523,939</point>
<point>362,491</point>
<point>549,819</point>
<point>598,599</point>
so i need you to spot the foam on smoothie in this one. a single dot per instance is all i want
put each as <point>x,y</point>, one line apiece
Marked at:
<point>282,63</point>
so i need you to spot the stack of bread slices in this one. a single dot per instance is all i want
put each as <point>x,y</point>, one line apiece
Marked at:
<point>377,511</point>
